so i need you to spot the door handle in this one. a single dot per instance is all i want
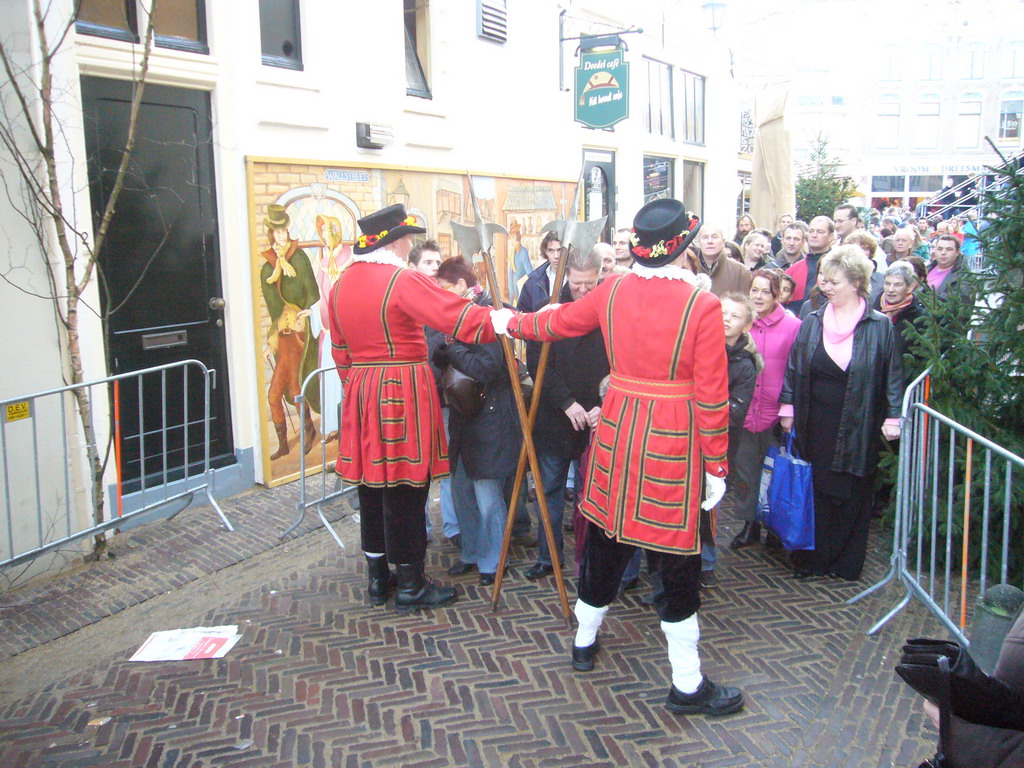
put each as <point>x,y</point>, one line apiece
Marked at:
<point>216,303</point>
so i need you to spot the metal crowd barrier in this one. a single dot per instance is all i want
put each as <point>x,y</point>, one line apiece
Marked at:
<point>45,472</point>
<point>937,487</point>
<point>317,498</point>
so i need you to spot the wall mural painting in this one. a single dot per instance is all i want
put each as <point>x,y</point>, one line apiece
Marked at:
<point>303,225</point>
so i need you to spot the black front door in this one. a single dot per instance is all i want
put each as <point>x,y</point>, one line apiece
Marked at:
<point>599,188</point>
<point>159,273</point>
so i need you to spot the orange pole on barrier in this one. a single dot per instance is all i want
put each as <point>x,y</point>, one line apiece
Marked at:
<point>967,527</point>
<point>117,444</point>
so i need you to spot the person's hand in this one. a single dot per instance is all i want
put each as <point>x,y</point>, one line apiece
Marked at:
<point>439,357</point>
<point>714,490</point>
<point>548,307</point>
<point>302,313</point>
<point>268,354</point>
<point>891,431</point>
<point>786,422</point>
<point>577,415</point>
<point>594,416</point>
<point>500,319</point>
<point>932,710</point>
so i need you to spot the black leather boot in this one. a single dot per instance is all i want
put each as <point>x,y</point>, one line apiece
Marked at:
<point>709,699</point>
<point>416,591</point>
<point>751,534</point>
<point>382,581</point>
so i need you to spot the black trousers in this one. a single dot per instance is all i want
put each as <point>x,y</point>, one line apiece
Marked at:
<point>392,520</point>
<point>841,527</point>
<point>676,578</point>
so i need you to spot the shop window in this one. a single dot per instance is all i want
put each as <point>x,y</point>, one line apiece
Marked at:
<point>280,33</point>
<point>1010,110</point>
<point>658,117</point>
<point>927,184</point>
<point>888,183</point>
<point>417,48</point>
<point>178,24</point>
<point>693,107</point>
<point>968,125</point>
<point>887,126</point>
<point>926,126</point>
<point>659,175</point>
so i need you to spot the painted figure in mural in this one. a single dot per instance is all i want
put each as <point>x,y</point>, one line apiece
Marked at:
<point>289,290</point>
<point>519,265</point>
<point>334,256</point>
<point>661,438</point>
<point>392,437</point>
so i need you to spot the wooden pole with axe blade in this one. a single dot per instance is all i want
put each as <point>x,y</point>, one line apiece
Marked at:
<point>583,236</point>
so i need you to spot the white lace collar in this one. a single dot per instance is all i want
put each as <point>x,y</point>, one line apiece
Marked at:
<point>668,271</point>
<point>380,256</point>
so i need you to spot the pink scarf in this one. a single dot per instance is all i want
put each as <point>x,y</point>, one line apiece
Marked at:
<point>838,335</point>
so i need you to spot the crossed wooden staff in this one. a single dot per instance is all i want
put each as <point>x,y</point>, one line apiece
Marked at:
<point>477,240</point>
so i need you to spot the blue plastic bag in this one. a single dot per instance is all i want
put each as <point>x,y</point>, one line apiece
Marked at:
<point>791,498</point>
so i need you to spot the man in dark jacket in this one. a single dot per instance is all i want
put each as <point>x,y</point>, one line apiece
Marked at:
<point>569,404</point>
<point>536,291</point>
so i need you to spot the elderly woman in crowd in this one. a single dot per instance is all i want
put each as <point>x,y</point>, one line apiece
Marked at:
<point>774,332</point>
<point>484,447</point>
<point>898,302</point>
<point>755,250</point>
<point>843,383</point>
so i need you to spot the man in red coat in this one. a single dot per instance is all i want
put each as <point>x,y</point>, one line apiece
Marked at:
<point>661,437</point>
<point>392,441</point>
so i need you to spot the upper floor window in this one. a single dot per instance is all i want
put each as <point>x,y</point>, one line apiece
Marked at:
<point>1013,60</point>
<point>1010,111</point>
<point>973,64</point>
<point>892,64</point>
<point>658,116</point>
<point>926,127</point>
<point>887,126</point>
<point>178,24</point>
<point>693,107</point>
<point>968,124</point>
<point>417,48</point>
<point>280,33</point>
<point>931,64</point>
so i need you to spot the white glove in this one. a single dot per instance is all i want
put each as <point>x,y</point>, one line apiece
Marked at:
<point>500,319</point>
<point>714,490</point>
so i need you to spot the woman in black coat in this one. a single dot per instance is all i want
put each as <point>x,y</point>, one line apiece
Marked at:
<point>483,449</point>
<point>843,383</point>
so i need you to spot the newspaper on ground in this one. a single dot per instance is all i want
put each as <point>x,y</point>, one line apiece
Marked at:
<point>190,643</point>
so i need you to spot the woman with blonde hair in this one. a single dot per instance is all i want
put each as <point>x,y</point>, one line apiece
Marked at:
<point>755,250</point>
<point>843,384</point>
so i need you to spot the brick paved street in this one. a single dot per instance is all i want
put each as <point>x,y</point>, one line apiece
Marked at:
<point>321,678</point>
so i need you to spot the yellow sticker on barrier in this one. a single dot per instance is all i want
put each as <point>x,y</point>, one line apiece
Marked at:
<point>18,411</point>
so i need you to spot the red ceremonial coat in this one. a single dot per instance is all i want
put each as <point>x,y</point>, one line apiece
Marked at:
<point>665,418</point>
<point>391,427</point>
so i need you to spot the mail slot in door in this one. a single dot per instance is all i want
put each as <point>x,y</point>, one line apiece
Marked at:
<point>164,340</point>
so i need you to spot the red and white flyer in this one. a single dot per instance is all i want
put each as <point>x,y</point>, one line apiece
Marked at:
<point>188,644</point>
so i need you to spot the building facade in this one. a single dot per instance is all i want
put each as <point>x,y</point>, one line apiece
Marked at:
<point>331,110</point>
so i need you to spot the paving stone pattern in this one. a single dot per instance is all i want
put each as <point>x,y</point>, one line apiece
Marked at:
<point>321,678</point>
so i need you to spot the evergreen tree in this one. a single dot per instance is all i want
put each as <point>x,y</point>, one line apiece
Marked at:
<point>819,185</point>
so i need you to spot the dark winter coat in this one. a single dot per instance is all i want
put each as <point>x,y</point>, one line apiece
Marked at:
<point>874,391</point>
<point>912,315</point>
<point>535,293</point>
<point>573,374</point>
<point>954,285</point>
<point>489,442</point>
<point>744,365</point>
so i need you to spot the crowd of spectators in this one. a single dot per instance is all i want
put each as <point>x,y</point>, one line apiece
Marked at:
<point>831,301</point>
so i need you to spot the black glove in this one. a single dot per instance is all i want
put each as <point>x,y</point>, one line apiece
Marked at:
<point>974,696</point>
<point>439,357</point>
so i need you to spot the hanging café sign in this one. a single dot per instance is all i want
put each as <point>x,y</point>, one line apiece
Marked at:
<point>602,88</point>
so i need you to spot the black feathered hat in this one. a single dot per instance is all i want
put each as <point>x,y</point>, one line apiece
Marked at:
<point>384,227</point>
<point>661,231</point>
